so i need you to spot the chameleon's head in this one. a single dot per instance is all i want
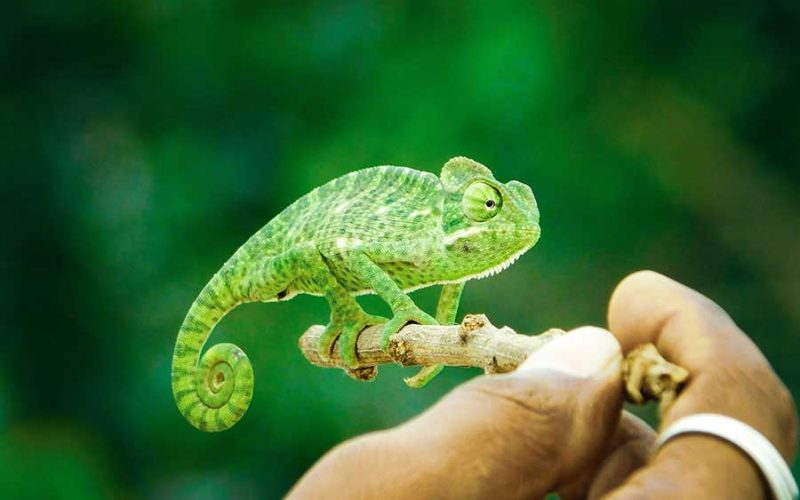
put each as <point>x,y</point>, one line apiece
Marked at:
<point>487,224</point>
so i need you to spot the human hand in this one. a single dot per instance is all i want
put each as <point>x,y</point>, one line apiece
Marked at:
<point>554,424</point>
<point>542,428</point>
<point>729,375</point>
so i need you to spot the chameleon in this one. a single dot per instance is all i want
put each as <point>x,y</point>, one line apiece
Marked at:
<point>385,230</point>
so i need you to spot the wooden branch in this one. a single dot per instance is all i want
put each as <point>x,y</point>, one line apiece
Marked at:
<point>648,376</point>
<point>477,342</point>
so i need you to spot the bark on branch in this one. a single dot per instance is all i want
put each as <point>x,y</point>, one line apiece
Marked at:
<point>477,342</point>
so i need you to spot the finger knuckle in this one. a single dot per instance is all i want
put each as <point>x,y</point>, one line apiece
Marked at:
<point>517,397</point>
<point>768,399</point>
<point>786,414</point>
<point>533,416</point>
<point>637,280</point>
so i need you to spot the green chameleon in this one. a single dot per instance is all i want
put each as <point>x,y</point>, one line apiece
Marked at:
<point>384,230</point>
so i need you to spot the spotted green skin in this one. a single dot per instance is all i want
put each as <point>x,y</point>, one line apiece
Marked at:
<point>384,230</point>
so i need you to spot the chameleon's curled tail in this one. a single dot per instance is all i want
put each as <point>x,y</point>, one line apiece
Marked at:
<point>212,392</point>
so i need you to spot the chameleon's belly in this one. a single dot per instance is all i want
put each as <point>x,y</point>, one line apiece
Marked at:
<point>406,275</point>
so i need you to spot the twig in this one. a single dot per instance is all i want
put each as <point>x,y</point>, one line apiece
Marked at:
<point>477,342</point>
<point>648,376</point>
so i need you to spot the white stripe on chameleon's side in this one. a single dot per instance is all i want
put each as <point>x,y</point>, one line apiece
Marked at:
<point>463,233</point>
<point>343,243</point>
<point>418,213</point>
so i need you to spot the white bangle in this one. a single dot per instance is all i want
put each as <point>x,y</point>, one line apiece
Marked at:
<point>747,439</point>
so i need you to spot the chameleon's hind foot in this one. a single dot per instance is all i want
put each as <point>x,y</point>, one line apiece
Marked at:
<point>349,337</point>
<point>327,339</point>
<point>364,373</point>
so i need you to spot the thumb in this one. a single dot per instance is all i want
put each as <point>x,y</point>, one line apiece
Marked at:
<point>532,431</point>
<point>578,383</point>
<point>518,435</point>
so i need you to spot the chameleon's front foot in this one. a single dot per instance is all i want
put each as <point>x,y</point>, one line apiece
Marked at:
<point>346,327</point>
<point>410,314</point>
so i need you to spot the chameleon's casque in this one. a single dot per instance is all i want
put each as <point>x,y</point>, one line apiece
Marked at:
<point>385,230</point>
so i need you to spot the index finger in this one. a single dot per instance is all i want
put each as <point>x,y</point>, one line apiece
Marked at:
<point>686,327</point>
<point>728,374</point>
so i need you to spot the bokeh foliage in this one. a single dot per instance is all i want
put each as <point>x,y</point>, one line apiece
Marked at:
<point>144,141</point>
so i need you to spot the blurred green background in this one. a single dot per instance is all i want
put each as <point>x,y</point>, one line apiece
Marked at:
<point>143,142</point>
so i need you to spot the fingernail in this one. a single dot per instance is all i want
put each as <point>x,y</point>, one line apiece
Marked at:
<point>583,352</point>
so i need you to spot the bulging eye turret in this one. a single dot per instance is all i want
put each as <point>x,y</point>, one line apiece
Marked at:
<point>481,201</point>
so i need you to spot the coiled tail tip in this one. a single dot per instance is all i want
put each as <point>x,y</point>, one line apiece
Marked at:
<point>214,394</point>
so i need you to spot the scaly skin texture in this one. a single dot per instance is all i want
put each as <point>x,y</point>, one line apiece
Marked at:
<point>385,230</point>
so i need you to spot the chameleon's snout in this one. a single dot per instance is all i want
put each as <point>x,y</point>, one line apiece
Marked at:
<point>529,235</point>
<point>523,198</point>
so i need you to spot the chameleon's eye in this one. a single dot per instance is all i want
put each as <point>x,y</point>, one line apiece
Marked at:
<point>481,201</point>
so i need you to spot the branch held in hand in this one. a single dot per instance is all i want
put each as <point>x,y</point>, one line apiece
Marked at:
<point>477,342</point>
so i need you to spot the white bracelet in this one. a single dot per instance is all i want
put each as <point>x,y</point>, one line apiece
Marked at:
<point>747,439</point>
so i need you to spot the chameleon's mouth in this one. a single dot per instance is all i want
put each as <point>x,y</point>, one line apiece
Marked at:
<point>501,266</point>
<point>530,234</point>
<point>526,237</point>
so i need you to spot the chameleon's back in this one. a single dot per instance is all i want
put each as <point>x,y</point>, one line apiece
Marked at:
<point>384,203</point>
<point>374,203</point>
